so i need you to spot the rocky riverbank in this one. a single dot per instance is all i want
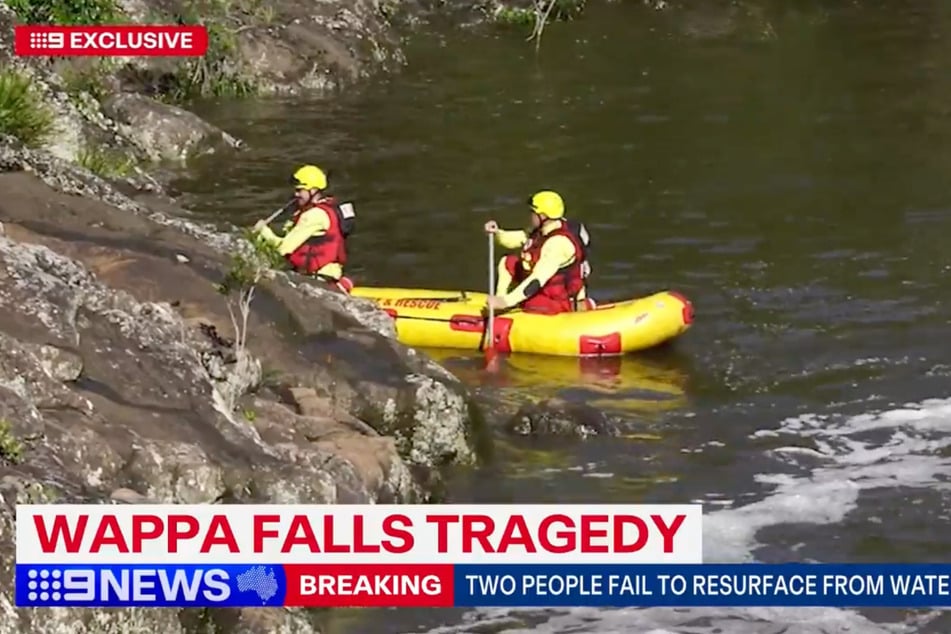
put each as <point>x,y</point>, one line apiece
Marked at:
<point>126,119</point>
<point>120,378</point>
<point>117,116</point>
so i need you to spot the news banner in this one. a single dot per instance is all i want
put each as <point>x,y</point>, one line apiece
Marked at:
<point>422,556</point>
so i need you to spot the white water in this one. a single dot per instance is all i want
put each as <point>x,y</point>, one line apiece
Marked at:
<point>846,457</point>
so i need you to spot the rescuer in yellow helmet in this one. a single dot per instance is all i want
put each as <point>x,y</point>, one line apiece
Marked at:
<point>315,239</point>
<point>550,272</point>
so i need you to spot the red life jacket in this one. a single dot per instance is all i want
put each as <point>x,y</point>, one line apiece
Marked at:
<point>319,251</point>
<point>560,293</point>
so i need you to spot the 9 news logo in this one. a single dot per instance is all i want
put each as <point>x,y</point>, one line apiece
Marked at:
<point>47,41</point>
<point>117,586</point>
<point>44,585</point>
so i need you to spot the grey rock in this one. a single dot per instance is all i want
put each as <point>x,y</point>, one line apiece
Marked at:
<point>128,496</point>
<point>60,363</point>
<point>164,131</point>
<point>142,425</point>
<point>556,417</point>
<point>80,129</point>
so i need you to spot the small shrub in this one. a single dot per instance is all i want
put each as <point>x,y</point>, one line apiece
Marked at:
<point>539,14</point>
<point>22,113</point>
<point>11,449</point>
<point>262,11</point>
<point>249,265</point>
<point>515,16</point>
<point>216,73</point>
<point>38,493</point>
<point>66,12</point>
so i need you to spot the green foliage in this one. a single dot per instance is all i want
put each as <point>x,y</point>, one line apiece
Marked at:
<point>216,73</point>
<point>22,113</point>
<point>515,16</point>
<point>249,265</point>
<point>11,449</point>
<point>105,161</point>
<point>66,12</point>
<point>262,11</point>
<point>89,79</point>
<point>38,493</point>
<point>272,378</point>
<point>540,13</point>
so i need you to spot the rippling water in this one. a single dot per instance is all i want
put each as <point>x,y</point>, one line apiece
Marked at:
<point>784,166</point>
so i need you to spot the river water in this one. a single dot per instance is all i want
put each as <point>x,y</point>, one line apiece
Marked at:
<point>785,168</point>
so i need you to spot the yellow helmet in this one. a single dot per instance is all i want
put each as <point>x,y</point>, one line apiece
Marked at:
<point>310,177</point>
<point>548,204</point>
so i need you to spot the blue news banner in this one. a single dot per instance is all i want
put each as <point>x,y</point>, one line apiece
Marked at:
<point>499,585</point>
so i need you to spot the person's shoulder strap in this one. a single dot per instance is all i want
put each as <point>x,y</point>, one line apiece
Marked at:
<point>579,230</point>
<point>343,213</point>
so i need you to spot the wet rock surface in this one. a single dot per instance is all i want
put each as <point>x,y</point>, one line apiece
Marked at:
<point>559,418</point>
<point>119,382</point>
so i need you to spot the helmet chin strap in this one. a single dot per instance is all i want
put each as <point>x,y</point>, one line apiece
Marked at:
<point>310,196</point>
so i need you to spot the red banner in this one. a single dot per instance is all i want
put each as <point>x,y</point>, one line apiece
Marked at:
<point>162,40</point>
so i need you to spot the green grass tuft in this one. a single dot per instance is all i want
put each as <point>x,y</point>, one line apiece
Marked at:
<point>515,16</point>
<point>215,74</point>
<point>22,112</point>
<point>218,72</point>
<point>88,79</point>
<point>11,448</point>
<point>105,162</point>
<point>539,13</point>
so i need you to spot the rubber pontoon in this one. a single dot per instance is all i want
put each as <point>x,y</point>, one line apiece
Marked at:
<point>455,319</point>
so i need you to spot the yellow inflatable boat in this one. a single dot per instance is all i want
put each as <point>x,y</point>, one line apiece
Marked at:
<point>455,319</point>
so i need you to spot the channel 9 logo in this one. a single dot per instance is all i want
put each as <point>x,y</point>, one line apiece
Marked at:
<point>120,584</point>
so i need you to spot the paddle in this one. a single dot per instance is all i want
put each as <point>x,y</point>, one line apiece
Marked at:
<point>277,213</point>
<point>443,320</point>
<point>491,354</point>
